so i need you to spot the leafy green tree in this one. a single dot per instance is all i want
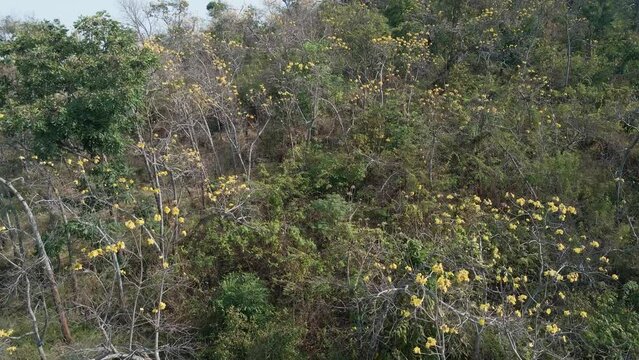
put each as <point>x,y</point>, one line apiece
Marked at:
<point>76,91</point>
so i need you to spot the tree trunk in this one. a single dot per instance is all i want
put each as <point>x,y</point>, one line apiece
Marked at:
<point>46,262</point>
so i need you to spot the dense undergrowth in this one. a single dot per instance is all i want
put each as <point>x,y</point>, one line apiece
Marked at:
<point>393,179</point>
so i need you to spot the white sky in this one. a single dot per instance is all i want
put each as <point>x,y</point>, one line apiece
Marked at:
<point>68,11</point>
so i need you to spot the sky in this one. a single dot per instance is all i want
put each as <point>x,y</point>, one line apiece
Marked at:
<point>68,11</point>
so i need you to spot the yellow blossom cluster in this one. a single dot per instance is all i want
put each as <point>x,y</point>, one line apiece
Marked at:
<point>463,276</point>
<point>416,301</point>
<point>161,306</point>
<point>552,329</point>
<point>443,283</point>
<point>227,186</point>
<point>298,66</point>
<point>337,43</point>
<point>150,189</point>
<point>112,248</point>
<point>420,279</point>
<point>431,342</point>
<point>154,46</point>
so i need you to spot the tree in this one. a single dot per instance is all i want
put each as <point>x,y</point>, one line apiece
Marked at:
<point>74,91</point>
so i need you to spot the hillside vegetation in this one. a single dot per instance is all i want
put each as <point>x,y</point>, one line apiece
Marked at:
<point>388,179</point>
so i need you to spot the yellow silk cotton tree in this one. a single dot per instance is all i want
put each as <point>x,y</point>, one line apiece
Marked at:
<point>511,273</point>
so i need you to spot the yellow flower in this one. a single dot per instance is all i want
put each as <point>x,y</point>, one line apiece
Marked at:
<point>443,283</point>
<point>431,342</point>
<point>165,265</point>
<point>521,201</point>
<point>573,276</point>
<point>578,250</point>
<point>484,307</point>
<point>615,277</point>
<point>130,224</point>
<point>11,349</point>
<point>408,268</point>
<point>420,279</point>
<point>175,211</point>
<point>415,301</point>
<point>5,333</point>
<point>181,221</point>
<point>139,222</point>
<point>517,313</point>
<point>417,350</point>
<point>550,273</point>
<point>512,226</point>
<point>438,221</point>
<point>405,313</point>
<point>511,299</point>
<point>594,244</point>
<point>150,241</point>
<point>77,266</point>
<point>481,322</point>
<point>95,253</point>
<point>522,297</point>
<point>548,311</point>
<point>462,276</point>
<point>167,210</point>
<point>561,247</point>
<point>183,233</point>
<point>162,306</point>
<point>559,232</point>
<point>583,314</point>
<point>392,266</point>
<point>438,268</point>
<point>537,217</point>
<point>552,328</point>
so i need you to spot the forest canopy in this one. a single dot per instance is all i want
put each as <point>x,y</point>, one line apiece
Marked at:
<point>386,179</point>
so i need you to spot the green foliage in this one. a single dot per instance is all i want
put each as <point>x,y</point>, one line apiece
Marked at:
<point>74,90</point>
<point>246,339</point>
<point>614,330</point>
<point>248,325</point>
<point>392,179</point>
<point>246,294</point>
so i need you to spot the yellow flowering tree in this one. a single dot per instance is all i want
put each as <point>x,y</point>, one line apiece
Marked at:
<point>485,273</point>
